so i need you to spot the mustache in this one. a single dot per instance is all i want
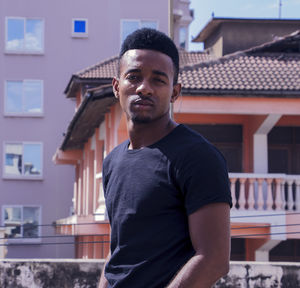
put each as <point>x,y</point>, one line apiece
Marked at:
<point>142,99</point>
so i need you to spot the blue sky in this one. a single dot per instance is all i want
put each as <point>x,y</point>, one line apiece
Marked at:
<point>203,10</point>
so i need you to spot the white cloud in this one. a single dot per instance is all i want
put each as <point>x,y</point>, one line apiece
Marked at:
<point>33,43</point>
<point>15,44</point>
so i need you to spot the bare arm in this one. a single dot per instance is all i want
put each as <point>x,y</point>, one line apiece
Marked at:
<point>210,235</point>
<point>103,282</point>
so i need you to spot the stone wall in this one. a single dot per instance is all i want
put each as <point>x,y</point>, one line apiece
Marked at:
<point>261,275</point>
<point>37,273</point>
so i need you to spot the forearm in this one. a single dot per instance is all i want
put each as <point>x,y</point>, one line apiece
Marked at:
<point>103,281</point>
<point>200,271</point>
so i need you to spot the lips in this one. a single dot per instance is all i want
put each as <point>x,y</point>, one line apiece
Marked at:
<point>143,102</point>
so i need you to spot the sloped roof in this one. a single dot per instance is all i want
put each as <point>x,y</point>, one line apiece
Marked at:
<point>272,68</point>
<point>109,67</point>
<point>103,72</point>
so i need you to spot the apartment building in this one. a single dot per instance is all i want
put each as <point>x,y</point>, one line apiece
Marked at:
<point>42,44</point>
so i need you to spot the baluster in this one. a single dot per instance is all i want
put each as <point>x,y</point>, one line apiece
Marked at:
<point>74,199</point>
<point>232,188</point>
<point>284,195</point>
<point>251,200</point>
<point>269,200</point>
<point>260,197</point>
<point>290,201</point>
<point>297,204</point>
<point>242,198</point>
<point>101,200</point>
<point>278,196</point>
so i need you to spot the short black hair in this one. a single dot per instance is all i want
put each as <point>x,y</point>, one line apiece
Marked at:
<point>151,39</point>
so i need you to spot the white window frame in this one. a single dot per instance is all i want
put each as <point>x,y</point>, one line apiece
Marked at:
<point>25,51</point>
<point>80,34</point>
<point>22,177</point>
<point>24,240</point>
<point>136,20</point>
<point>24,114</point>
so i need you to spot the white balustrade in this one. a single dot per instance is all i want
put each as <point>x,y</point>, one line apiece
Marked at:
<point>265,191</point>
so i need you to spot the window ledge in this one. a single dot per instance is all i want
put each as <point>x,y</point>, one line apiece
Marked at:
<point>13,177</point>
<point>22,52</point>
<point>80,35</point>
<point>24,115</point>
<point>12,241</point>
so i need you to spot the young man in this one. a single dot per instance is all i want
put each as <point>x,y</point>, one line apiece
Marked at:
<point>166,188</point>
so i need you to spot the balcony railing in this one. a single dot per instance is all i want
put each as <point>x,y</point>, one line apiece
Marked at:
<point>265,191</point>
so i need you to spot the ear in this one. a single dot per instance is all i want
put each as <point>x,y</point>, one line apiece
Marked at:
<point>176,92</point>
<point>115,85</point>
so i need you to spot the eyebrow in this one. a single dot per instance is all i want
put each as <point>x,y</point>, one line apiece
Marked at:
<point>135,70</point>
<point>156,72</point>
<point>160,73</point>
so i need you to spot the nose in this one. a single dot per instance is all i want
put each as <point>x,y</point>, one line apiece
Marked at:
<point>144,88</point>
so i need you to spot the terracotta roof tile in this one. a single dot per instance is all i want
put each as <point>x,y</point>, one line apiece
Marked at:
<point>243,71</point>
<point>274,66</point>
<point>271,67</point>
<point>108,68</point>
<point>104,69</point>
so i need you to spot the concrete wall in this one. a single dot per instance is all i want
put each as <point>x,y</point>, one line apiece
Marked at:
<point>240,36</point>
<point>85,274</point>
<point>16,273</point>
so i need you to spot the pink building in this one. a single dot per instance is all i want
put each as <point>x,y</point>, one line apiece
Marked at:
<point>43,43</point>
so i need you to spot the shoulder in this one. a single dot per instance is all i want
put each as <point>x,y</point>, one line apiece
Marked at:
<point>188,146</point>
<point>117,151</point>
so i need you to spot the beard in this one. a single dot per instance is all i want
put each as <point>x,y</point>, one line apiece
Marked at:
<point>136,119</point>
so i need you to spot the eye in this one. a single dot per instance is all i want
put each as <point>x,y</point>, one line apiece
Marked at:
<point>132,77</point>
<point>160,80</point>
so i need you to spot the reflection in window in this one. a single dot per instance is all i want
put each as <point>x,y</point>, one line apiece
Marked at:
<point>23,159</point>
<point>24,97</point>
<point>24,35</point>
<point>182,37</point>
<point>129,26</point>
<point>21,221</point>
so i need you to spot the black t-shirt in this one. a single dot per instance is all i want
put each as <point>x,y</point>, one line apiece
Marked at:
<point>149,194</point>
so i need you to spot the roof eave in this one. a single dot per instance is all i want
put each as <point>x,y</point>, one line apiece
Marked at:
<point>241,93</point>
<point>91,95</point>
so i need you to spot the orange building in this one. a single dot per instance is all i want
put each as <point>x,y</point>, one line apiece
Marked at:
<point>246,103</point>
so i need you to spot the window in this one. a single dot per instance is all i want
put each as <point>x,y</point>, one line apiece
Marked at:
<point>182,37</point>
<point>24,98</point>
<point>23,160</point>
<point>21,222</point>
<point>128,26</point>
<point>24,35</point>
<point>79,28</point>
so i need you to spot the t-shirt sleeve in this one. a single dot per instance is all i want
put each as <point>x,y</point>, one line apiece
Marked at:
<point>203,178</point>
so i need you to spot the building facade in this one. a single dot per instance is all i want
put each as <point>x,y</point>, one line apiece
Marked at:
<point>42,43</point>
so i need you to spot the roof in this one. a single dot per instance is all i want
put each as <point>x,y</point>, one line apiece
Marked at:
<point>90,114</point>
<point>272,68</point>
<point>105,70</point>
<point>215,22</point>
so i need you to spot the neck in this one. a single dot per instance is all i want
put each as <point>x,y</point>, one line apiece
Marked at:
<point>145,134</point>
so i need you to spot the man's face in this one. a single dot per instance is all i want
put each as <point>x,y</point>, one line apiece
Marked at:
<point>145,88</point>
